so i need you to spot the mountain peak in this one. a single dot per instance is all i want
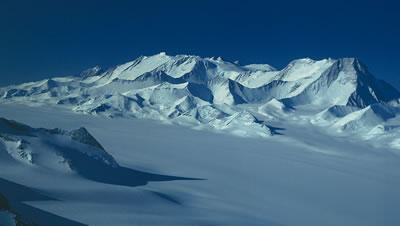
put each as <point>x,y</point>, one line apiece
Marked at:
<point>173,87</point>
<point>83,136</point>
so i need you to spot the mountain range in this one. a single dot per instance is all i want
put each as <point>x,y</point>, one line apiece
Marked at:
<point>339,95</point>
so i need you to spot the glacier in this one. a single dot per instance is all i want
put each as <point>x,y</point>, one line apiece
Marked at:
<point>304,177</point>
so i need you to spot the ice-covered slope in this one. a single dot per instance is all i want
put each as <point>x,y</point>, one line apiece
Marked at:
<point>208,92</point>
<point>56,149</point>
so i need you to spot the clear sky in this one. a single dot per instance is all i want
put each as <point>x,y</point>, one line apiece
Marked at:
<point>41,39</point>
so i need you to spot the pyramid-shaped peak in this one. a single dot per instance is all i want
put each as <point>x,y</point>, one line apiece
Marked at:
<point>82,135</point>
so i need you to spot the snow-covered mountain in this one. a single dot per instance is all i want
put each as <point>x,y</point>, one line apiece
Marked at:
<point>212,93</point>
<point>55,149</point>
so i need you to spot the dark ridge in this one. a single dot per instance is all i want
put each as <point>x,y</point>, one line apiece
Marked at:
<point>15,125</point>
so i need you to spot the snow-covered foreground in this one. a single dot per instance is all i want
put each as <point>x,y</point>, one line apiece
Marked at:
<point>304,177</point>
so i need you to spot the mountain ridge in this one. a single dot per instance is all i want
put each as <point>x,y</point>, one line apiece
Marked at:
<point>183,89</point>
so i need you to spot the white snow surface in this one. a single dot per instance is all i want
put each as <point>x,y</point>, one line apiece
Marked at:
<point>307,176</point>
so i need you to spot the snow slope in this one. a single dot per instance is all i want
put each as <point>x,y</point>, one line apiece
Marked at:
<point>306,176</point>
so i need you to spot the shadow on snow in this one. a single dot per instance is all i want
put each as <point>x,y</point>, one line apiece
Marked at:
<point>99,171</point>
<point>16,194</point>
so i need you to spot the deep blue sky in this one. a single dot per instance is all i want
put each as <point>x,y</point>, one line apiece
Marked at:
<point>41,39</point>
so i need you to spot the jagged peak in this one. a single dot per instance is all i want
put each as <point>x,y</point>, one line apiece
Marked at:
<point>212,72</point>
